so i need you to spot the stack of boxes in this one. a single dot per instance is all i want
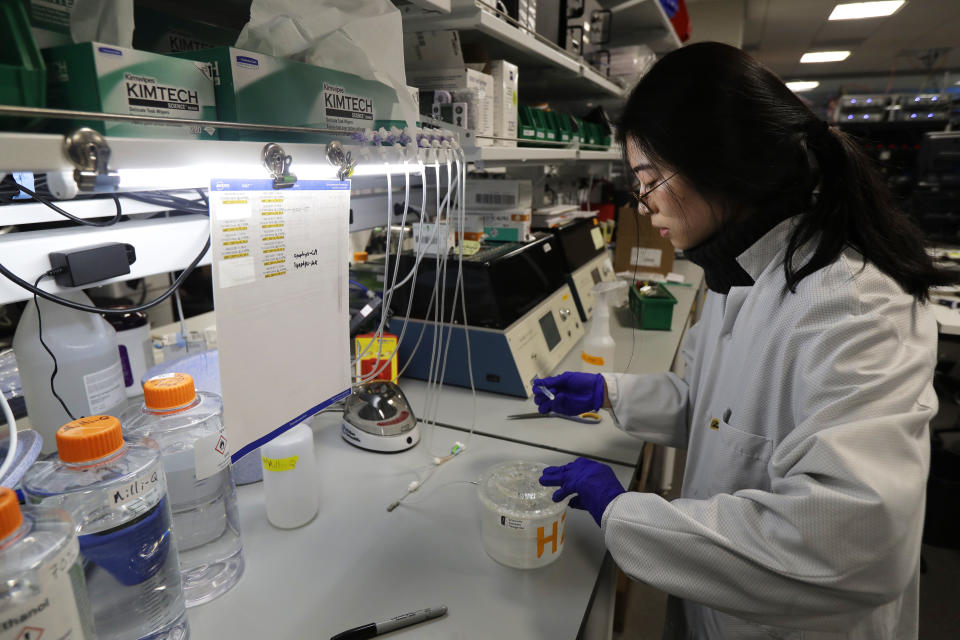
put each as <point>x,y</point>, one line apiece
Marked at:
<point>480,96</point>
<point>505,206</point>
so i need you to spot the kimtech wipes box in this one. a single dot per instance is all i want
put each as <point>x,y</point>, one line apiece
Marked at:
<point>257,88</point>
<point>108,79</point>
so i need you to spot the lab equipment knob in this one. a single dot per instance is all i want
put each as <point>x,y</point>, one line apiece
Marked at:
<point>564,314</point>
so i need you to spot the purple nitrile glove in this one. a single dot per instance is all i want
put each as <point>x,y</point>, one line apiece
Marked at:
<point>594,483</point>
<point>574,392</point>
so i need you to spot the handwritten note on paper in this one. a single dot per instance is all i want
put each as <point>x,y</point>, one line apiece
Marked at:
<point>280,289</point>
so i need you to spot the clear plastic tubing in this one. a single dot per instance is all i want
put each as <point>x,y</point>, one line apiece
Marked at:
<point>41,573</point>
<point>188,426</point>
<point>116,493</point>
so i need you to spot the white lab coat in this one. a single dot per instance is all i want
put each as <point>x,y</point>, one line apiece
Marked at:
<point>805,417</point>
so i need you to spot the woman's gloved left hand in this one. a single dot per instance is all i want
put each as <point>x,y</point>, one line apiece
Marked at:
<point>594,483</point>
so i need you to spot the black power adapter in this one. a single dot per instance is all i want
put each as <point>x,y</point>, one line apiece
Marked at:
<point>80,267</point>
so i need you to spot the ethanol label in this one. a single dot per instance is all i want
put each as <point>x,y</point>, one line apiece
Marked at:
<point>342,108</point>
<point>105,388</point>
<point>145,92</point>
<point>53,611</point>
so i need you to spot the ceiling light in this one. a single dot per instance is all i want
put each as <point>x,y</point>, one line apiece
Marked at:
<point>802,85</point>
<point>860,10</point>
<point>824,56</point>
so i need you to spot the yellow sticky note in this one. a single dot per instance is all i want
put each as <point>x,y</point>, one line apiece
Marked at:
<point>279,464</point>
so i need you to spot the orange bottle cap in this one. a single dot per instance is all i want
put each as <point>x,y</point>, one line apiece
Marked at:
<point>10,516</point>
<point>89,438</point>
<point>169,391</point>
<point>360,256</point>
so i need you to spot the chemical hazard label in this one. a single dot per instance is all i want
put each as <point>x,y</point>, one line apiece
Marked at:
<point>211,455</point>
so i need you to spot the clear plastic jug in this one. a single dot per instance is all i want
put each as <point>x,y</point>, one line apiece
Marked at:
<point>188,426</point>
<point>41,574</point>
<point>116,493</point>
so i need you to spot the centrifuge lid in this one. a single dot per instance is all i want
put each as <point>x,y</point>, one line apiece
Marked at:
<point>514,487</point>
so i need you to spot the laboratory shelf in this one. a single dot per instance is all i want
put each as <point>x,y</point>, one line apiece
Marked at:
<point>565,74</point>
<point>162,246</point>
<point>640,22</point>
<point>428,5</point>
<point>150,164</point>
<point>27,212</point>
<point>503,156</point>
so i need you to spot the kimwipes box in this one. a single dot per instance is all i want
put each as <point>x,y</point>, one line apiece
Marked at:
<point>641,250</point>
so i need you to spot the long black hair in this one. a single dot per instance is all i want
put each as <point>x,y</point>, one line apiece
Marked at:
<point>745,141</point>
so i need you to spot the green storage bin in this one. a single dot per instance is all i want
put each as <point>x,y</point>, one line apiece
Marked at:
<point>23,74</point>
<point>566,128</point>
<point>652,311</point>
<point>526,127</point>
<point>545,132</point>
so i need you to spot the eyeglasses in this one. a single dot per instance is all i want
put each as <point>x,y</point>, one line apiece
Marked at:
<point>642,197</point>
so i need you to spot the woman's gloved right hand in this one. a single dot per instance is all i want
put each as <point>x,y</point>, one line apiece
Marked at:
<point>574,393</point>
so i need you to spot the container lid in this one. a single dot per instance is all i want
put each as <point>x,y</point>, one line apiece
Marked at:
<point>10,516</point>
<point>89,438</point>
<point>360,256</point>
<point>169,391</point>
<point>514,487</point>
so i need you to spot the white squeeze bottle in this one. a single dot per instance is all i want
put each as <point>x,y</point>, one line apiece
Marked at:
<point>290,478</point>
<point>599,349</point>
<point>89,374</point>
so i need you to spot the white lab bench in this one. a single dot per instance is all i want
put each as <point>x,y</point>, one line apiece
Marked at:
<point>652,352</point>
<point>356,563</point>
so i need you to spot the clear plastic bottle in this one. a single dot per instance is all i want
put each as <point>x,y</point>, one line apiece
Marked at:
<point>188,426</point>
<point>41,575</point>
<point>117,495</point>
<point>89,373</point>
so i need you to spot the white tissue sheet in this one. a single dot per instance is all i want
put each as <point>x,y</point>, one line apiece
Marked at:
<point>363,37</point>
<point>106,21</point>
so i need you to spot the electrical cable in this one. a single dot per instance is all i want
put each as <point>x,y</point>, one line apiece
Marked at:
<point>56,368</point>
<point>12,444</point>
<point>87,223</point>
<point>90,309</point>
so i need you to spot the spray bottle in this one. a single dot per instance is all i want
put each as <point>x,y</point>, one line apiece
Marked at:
<point>598,345</point>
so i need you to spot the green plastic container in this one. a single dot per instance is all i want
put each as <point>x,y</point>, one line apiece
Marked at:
<point>23,74</point>
<point>533,126</point>
<point>566,128</point>
<point>653,311</point>
<point>545,132</point>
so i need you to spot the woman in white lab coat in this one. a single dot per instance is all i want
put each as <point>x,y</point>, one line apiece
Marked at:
<point>807,394</point>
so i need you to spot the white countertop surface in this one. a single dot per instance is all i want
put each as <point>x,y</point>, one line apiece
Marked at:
<point>356,563</point>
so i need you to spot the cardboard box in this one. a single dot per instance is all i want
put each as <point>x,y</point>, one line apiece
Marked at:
<point>253,87</point>
<point>508,226</point>
<point>498,195</point>
<point>640,250</point>
<point>505,84</point>
<point>109,79</point>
